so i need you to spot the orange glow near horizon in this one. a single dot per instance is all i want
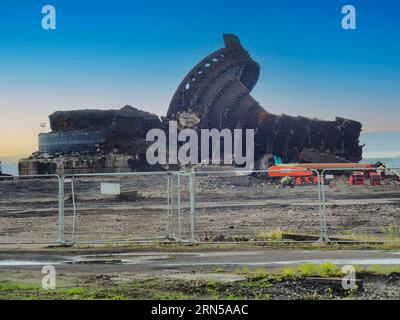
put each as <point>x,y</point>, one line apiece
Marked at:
<point>20,141</point>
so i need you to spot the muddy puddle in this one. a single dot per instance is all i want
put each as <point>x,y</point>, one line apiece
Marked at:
<point>125,258</point>
<point>18,263</point>
<point>189,259</point>
<point>118,258</point>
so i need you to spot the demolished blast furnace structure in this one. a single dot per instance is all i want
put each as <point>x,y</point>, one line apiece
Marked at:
<point>214,94</point>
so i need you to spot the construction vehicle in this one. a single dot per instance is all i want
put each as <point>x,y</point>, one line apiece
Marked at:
<point>287,182</point>
<point>308,169</point>
<point>306,180</point>
<point>375,179</point>
<point>305,173</point>
<point>357,178</point>
<point>332,166</point>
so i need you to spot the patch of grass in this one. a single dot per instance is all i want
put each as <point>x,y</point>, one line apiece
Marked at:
<point>384,233</point>
<point>14,290</point>
<point>381,270</point>
<point>391,232</point>
<point>218,270</point>
<point>329,269</point>
<point>211,290</point>
<point>261,283</point>
<point>118,298</point>
<point>245,270</point>
<point>82,293</point>
<point>325,269</point>
<point>75,291</point>
<point>288,272</point>
<point>232,297</point>
<point>307,269</point>
<point>14,286</point>
<point>255,274</point>
<point>348,232</point>
<point>261,273</point>
<point>169,296</point>
<point>276,234</point>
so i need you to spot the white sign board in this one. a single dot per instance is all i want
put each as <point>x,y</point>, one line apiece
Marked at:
<point>110,188</point>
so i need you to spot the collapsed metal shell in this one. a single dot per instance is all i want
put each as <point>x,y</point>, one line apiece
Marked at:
<point>216,94</point>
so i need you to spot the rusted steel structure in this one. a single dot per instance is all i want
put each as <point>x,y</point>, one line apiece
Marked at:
<point>216,94</point>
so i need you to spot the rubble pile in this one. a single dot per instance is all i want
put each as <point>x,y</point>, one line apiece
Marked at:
<point>90,141</point>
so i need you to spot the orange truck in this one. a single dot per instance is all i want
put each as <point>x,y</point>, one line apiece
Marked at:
<point>300,170</point>
<point>357,178</point>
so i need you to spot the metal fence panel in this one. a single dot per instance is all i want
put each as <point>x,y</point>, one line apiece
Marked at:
<point>361,212</point>
<point>238,206</point>
<point>117,207</point>
<point>203,206</point>
<point>182,204</point>
<point>29,209</point>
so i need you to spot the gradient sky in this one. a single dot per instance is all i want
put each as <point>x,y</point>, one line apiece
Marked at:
<point>107,54</point>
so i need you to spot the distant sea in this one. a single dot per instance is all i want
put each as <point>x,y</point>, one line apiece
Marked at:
<point>383,147</point>
<point>10,164</point>
<point>381,144</point>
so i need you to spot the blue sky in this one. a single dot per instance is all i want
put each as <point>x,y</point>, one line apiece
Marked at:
<point>106,54</point>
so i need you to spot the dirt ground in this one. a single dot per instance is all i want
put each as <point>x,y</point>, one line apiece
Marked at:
<point>227,208</point>
<point>217,284</point>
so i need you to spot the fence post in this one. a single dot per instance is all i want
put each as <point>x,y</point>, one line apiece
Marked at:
<point>321,232</point>
<point>324,226</point>
<point>322,214</point>
<point>179,207</point>
<point>74,208</point>
<point>168,206</point>
<point>61,238</point>
<point>192,206</point>
<point>171,213</point>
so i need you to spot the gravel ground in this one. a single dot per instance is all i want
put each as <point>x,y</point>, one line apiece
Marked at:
<point>227,208</point>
